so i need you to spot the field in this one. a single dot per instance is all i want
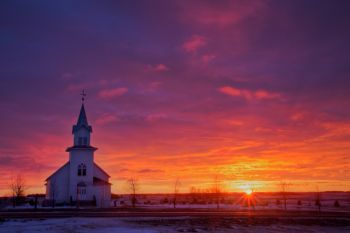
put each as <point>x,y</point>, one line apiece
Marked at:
<point>176,224</point>
<point>193,213</point>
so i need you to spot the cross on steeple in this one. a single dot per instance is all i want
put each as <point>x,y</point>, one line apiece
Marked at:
<point>83,94</point>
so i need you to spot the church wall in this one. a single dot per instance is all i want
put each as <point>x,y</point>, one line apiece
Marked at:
<point>76,157</point>
<point>103,195</point>
<point>57,185</point>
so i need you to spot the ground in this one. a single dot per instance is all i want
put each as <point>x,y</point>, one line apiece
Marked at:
<point>169,225</point>
<point>153,214</point>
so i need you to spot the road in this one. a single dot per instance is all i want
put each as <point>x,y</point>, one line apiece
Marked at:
<point>64,213</point>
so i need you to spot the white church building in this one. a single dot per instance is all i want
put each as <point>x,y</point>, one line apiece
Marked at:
<point>80,181</point>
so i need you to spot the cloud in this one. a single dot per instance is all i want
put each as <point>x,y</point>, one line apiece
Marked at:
<point>208,58</point>
<point>194,43</point>
<point>155,117</point>
<point>112,93</point>
<point>262,94</point>
<point>248,94</point>
<point>220,15</point>
<point>106,119</point>
<point>147,170</point>
<point>158,68</point>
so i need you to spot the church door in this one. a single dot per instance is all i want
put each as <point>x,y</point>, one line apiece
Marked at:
<point>81,191</point>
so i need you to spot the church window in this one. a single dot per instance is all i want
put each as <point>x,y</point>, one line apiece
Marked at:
<point>82,141</point>
<point>82,170</point>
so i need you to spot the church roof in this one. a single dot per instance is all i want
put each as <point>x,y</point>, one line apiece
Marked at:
<point>98,167</point>
<point>98,181</point>
<point>82,116</point>
<point>66,164</point>
<point>82,121</point>
<point>78,147</point>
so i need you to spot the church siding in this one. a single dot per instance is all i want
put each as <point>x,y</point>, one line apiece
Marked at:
<point>78,157</point>
<point>57,185</point>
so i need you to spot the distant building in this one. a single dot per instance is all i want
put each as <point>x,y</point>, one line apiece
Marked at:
<point>80,181</point>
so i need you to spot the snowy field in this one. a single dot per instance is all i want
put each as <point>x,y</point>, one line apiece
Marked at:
<point>237,201</point>
<point>165,225</point>
<point>264,202</point>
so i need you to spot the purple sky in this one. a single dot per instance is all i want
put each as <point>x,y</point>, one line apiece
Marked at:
<point>252,91</point>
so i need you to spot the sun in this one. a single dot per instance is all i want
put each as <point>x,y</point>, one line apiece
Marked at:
<point>248,191</point>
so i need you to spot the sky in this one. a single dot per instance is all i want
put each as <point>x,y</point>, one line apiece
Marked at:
<point>252,92</point>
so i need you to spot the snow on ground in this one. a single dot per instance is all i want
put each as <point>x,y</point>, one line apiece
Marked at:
<point>235,201</point>
<point>71,225</point>
<point>153,225</point>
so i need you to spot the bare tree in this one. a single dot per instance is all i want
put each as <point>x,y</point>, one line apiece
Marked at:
<point>53,188</point>
<point>217,191</point>
<point>17,187</point>
<point>194,194</point>
<point>176,191</point>
<point>133,187</point>
<point>284,189</point>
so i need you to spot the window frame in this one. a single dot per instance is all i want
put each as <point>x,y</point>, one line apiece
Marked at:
<point>82,171</point>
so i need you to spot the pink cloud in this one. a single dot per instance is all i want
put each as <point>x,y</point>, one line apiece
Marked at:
<point>194,43</point>
<point>262,94</point>
<point>248,94</point>
<point>155,117</point>
<point>158,68</point>
<point>161,67</point>
<point>112,93</point>
<point>223,15</point>
<point>106,119</point>
<point>230,91</point>
<point>297,116</point>
<point>208,58</point>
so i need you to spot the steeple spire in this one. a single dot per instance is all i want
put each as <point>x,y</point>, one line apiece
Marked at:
<point>82,121</point>
<point>82,130</point>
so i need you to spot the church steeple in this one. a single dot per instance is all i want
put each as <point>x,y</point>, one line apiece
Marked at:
<point>82,129</point>
<point>82,116</point>
<point>82,121</point>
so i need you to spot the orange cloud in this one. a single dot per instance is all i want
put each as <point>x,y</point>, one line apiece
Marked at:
<point>194,43</point>
<point>112,93</point>
<point>248,94</point>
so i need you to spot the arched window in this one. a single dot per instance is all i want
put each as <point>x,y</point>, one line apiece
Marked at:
<point>82,170</point>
